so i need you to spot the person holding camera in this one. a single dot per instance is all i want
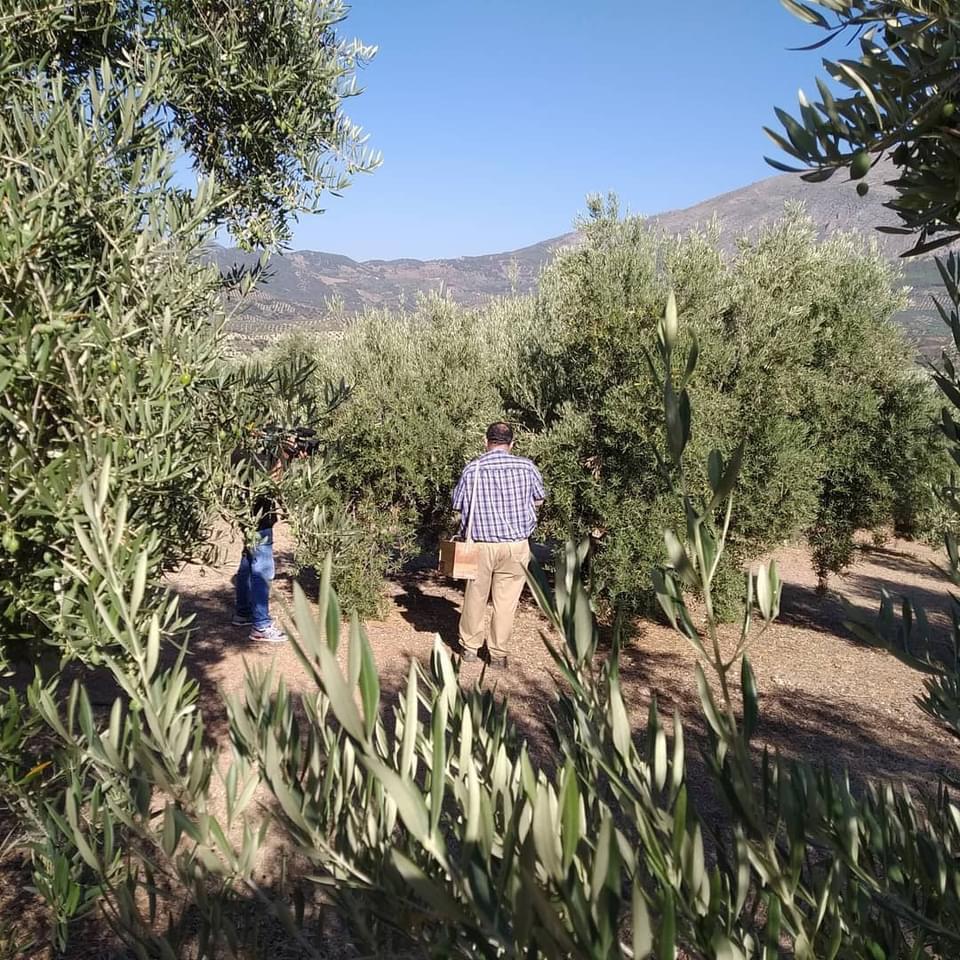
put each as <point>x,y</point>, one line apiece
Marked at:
<point>257,567</point>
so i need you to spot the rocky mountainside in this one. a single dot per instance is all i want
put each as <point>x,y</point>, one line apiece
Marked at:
<point>833,205</point>
<point>318,290</point>
<point>311,290</point>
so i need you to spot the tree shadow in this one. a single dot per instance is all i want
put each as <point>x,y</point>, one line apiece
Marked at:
<point>857,592</point>
<point>806,608</point>
<point>935,600</point>
<point>899,561</point>
<point>428,612</point>
<point>934,603</point>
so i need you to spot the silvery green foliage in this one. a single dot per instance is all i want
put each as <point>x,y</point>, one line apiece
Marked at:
<point>105,806</point>
<point>117,414</point>
<point>110,318</point>
<point>424,388</point>
<point>252,94</point>
<point>436,831</point>
<point>799,358</point>
<point>894,98</point>
<point>844,440</point>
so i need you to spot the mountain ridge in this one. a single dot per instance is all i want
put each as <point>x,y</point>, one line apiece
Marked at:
<point>316,290</point>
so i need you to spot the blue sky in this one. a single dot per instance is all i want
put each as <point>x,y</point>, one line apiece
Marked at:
<point>496,118</point>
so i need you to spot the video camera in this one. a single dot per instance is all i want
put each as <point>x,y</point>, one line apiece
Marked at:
<point>293,441</point>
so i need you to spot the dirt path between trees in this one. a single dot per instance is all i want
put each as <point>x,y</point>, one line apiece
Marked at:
<point>824,695</point>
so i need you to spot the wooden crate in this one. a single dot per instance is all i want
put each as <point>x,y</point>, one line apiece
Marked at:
<point>459,559</point>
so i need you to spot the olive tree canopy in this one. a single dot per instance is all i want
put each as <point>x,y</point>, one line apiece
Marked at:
<point>131,131</point>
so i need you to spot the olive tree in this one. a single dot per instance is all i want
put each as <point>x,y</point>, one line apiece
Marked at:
<point>801,361</point>
<point>129,134</point>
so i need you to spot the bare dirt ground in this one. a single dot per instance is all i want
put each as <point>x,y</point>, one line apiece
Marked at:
<point>824,696</point>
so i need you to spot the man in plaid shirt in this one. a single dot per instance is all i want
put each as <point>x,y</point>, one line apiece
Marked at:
<point>497,496</point>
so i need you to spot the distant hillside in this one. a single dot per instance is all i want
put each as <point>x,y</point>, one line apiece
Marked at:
<point>315,290</point>
<point>833,205</point>
<point>311,290</point>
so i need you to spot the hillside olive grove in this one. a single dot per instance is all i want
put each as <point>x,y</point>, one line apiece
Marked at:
<point>688,412</point>
<point>800,362</point>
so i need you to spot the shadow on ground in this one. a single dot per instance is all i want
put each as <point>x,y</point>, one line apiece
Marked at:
<point>806,607</point>
<point>816,723</point>
<point>427,612</point>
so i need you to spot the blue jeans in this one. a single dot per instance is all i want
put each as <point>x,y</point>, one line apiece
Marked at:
<point>253,580</point>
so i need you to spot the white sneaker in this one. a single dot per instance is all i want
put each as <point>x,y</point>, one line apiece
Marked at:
<point>270,634</point>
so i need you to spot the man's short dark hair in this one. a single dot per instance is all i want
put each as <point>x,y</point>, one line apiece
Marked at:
<point>499,432</point>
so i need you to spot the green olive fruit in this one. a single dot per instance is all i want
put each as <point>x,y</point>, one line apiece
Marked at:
<point>11,542</point>
<point>948,110</point>
<point>859,166</point>
<point>186,379</point>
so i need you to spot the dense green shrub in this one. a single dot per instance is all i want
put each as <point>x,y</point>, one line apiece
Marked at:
<point>101,352</point>
<point>112,397</point>
<point>800,361</point>
<point>109,319</point>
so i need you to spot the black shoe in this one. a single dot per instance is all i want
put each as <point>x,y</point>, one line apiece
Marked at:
<point>499,662</point>
<point>468,656</point>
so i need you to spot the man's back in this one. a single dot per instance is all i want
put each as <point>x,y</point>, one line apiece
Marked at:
<point>506,489</point>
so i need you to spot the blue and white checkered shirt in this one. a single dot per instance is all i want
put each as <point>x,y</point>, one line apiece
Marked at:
<point>506,487</point>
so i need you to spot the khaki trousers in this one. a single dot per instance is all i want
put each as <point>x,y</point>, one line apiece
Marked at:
<point>501,574</point>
